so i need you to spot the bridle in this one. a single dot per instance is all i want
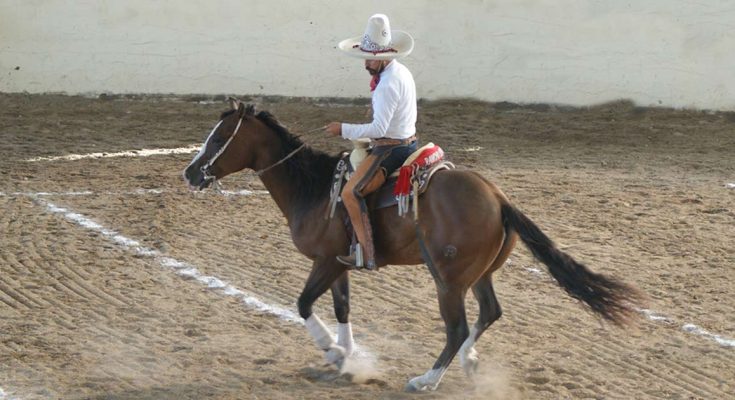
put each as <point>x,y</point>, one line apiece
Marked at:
<point>206,168</point>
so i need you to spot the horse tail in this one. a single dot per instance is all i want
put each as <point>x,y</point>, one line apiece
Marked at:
<point>606,296</point>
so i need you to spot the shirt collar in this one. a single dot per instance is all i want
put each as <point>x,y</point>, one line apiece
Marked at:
<point>390,65</point>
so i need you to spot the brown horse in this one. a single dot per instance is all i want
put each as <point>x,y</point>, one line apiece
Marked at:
<point>469,228</point>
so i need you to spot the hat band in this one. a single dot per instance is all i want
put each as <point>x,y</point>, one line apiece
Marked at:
<point>376,51</point>
<point>368,46</point>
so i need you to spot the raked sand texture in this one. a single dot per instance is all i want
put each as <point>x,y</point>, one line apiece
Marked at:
<point>117,282</point>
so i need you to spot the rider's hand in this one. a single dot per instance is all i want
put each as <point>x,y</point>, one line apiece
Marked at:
<point>334,128</point>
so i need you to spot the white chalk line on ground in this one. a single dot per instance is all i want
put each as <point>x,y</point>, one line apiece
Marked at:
<point>184,269</point>
<point>534,271</point>
<point>179,267</point>
<point>7,396</point>
<point>191,272</point>
<point>657,317</point>
<point>127,153</point>
<point>188,271</point>
<point>243,192</point>
<point>723,341</point>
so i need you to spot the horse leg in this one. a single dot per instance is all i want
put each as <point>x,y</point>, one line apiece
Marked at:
<point>490,310</point>
<point>323,275</point>
<point>451,305</point>
<point>341,298</point>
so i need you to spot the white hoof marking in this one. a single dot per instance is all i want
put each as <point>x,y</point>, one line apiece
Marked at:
<point>344,338</point>
<point>335,355</point>
<point>468,356</point>
<point>426,382</point>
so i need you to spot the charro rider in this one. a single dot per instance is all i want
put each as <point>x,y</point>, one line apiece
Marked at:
<point>392,130</point>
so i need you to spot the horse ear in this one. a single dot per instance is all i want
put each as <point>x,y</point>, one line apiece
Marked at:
<point>250,110</point>
<point>234,103</point>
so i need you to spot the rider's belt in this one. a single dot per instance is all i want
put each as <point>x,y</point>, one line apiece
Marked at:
<point>392,142</point>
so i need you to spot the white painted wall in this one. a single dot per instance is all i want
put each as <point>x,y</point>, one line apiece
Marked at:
<point>669,52</point>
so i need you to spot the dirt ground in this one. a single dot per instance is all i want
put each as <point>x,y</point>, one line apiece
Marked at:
<point>640,194</point>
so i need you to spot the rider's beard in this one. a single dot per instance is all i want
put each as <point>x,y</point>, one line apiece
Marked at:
<point>376,71</point>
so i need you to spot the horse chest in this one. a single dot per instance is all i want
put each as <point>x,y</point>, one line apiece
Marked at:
<point>314,241</point>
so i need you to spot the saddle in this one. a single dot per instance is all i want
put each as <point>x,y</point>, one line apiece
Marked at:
<point>402,188</point>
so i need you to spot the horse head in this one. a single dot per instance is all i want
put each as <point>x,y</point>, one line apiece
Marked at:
<point>225,149</point>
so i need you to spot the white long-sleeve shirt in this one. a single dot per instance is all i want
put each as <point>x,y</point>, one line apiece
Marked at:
<point>394,107</point>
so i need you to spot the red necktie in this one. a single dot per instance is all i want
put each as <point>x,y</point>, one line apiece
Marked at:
<point>374,82</point>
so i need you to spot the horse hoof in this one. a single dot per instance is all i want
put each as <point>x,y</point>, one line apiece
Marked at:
<point>470,368</point>
<point>336,355</point>
<point>417,385</point>
<point>470,362</point>
<point>412,388</point>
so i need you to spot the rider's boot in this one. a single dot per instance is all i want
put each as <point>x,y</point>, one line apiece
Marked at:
<point>367,179</point>
<point>364,233</point>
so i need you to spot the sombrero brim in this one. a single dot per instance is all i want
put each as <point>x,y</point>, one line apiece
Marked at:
<point>402,44</point>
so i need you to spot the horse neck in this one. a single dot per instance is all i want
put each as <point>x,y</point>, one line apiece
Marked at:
<point>284,184</point>
<point>281,190</point>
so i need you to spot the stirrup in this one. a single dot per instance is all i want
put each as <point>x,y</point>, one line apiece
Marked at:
<point>356,259</point>
<point>350,262</point>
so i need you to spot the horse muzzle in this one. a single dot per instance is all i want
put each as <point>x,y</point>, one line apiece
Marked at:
<point>198,179</point>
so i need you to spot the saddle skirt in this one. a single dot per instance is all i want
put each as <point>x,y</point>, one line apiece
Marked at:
<point>402,188</point>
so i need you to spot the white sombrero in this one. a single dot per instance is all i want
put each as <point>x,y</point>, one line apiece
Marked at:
<point>378,42</point>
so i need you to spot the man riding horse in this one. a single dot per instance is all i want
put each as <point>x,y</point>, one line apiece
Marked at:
<point>392,132</point>
<point>467,230</point>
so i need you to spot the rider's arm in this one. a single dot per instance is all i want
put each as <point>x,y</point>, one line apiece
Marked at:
<point>385,103</point>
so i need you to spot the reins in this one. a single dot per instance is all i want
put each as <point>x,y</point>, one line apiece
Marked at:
<point>289,155</point>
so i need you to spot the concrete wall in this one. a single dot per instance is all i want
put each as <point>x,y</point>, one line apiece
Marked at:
<point>656,52</point>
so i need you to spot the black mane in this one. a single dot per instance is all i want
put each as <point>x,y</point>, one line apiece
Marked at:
<point>309,171</point>
<point>226,113</point>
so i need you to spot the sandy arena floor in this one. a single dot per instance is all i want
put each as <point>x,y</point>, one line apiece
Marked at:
<point>107,285</point>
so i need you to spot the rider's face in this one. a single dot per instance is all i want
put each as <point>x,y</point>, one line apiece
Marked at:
<point>374,66</point>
